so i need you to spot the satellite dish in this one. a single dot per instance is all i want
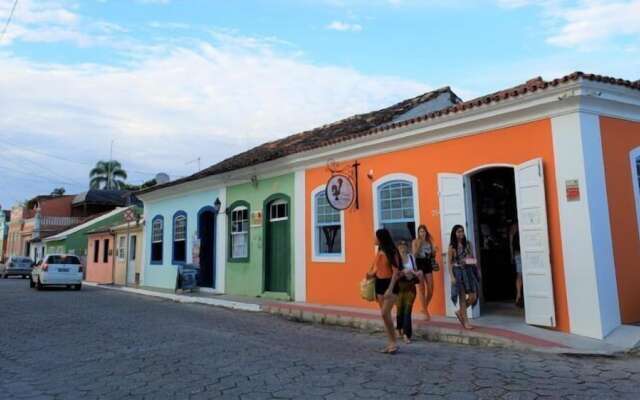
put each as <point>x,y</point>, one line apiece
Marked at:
<point>162,178</point>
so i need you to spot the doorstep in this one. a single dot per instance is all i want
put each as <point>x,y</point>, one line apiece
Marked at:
<point>489,331</point>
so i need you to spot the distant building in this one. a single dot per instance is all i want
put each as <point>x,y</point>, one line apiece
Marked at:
<point>5,217</point>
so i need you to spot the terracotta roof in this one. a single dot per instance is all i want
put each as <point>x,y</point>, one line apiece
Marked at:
<point>378,121</point>
<point>335,132</point>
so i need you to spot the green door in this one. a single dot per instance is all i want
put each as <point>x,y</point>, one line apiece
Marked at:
<point>277,255</point>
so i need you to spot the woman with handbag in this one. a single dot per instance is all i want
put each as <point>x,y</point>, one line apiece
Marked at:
<point>407,296</point>
<point>424,252</point>
<point>386,269</point>
<point>465,274</point>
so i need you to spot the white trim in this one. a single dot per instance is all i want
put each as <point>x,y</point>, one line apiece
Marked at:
<point>299,238</point>
<point>396,177</point>
<point>469,173</point>
<point>587,250</point>
<point>221,242</point>
<point>633,157</point>
<point>328,258</point>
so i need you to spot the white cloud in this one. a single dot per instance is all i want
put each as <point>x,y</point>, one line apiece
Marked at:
<point>593,23</point>
<point>585,24</point>
<point>177,103</point>
<point>344,26</point>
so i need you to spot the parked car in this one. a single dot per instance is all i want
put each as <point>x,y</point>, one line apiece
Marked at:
<point>57,269</point>
<point>17,265</point>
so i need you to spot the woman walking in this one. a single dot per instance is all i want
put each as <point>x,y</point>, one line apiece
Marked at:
<point>385,268</point>
<point>424,252</point>
<point>465,275</point>
<point>407,295</point>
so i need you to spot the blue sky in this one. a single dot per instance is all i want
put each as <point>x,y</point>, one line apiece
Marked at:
<point>170,81</point>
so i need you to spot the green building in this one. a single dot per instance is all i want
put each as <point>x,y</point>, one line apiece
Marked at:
<point>74,240</point>
<point>260,241</point>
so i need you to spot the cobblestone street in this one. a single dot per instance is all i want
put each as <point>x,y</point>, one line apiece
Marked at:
<point>96,343</point>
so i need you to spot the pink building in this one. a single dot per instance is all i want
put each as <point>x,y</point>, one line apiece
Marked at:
<point>100,256</point>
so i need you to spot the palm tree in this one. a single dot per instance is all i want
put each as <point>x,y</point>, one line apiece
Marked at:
<point>107,175</point>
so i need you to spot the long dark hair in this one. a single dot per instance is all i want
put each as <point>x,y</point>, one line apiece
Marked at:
<point>453,242</point>
<point>385,243</point>
<point>427,237</point>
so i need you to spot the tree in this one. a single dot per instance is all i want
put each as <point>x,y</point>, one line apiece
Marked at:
<point>145,185</point>
<point>58,191</point>
<point>107,175</point>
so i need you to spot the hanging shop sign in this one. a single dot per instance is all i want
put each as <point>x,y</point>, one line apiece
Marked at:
<point>342,186</point>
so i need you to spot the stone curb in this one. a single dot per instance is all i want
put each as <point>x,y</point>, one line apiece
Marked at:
<point>233,305</point>
<point>373,325</point>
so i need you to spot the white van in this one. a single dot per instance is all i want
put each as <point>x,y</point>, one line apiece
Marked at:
<point>57,269</point>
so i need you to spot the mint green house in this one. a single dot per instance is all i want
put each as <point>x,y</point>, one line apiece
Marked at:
<point>260,253</point>
<point>74,240</point>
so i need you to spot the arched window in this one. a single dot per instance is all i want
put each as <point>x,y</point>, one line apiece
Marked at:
<point>327,229</point>
<point>396,209</point>
<point>179,237</point>
<point>239,232</point>
<point>157,233</point>
<point>635,173</point>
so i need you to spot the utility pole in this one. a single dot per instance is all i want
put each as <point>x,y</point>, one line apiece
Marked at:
<point>109,166</point>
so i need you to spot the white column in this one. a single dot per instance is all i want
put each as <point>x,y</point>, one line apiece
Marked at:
<point>299,237</point>
<point>587,249</point>
<point>221,242</point>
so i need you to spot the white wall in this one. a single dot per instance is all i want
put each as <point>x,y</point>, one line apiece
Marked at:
<point>586,234</point>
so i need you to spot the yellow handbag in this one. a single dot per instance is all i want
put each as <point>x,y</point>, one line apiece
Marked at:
<point>368,289</point>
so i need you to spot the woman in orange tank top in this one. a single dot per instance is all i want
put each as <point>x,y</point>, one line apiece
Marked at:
<point>385,269</point>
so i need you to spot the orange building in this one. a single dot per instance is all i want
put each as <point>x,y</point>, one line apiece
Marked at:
<point>561,158</point>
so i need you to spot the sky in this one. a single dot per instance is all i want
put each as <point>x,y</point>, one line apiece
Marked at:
<point>161,84</point>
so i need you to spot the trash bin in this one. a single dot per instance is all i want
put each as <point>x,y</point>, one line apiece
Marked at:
<point>187,277</point>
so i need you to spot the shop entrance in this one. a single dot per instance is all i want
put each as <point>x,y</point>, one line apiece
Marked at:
<point>494,218</point>
<point>486,200</point>
<point>207,236</point>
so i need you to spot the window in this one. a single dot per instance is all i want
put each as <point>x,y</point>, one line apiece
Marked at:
<point>105,251</point>
<point>396,209</point>
<point>240,232</point>
<point>180,237</point>
<point>157,233</point>
<point>327,226</point>
<point>121,249</point>
<point>278,211</point>
<point>96,251</point>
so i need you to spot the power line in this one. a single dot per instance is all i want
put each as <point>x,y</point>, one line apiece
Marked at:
<point>6,25</point>
<point>71,160</point>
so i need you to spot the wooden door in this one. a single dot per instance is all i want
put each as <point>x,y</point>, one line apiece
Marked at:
<point>277,247</point>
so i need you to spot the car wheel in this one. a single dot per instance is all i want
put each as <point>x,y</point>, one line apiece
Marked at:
<point>39,285</point>
<point>77,287</point>
<point>31,284</point>
<point>5,276</point>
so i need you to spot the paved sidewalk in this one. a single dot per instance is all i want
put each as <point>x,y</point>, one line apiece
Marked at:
<point>492,330</point>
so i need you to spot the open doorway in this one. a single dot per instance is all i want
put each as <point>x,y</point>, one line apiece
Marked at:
<point>494,216</point>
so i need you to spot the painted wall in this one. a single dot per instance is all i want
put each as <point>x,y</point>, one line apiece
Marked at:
<point>163,275</point>
<point>619,138</point>
<point>247,278</point>
<point>100,271</point>
<point>337,282</point>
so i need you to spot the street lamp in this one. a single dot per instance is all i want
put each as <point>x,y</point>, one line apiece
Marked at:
<point>216,205</point>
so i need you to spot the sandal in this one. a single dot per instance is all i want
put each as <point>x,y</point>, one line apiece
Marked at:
<point>457,313</point>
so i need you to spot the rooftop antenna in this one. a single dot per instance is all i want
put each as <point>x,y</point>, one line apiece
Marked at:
<point>193,161</point>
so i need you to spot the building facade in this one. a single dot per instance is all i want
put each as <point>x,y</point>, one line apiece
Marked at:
<point>182,222</point>
<point>260,240</point>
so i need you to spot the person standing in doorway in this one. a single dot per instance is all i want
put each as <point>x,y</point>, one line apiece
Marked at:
<point>465,274</point>
<point>386,270</point>
<point>407,295</point>
<point>424,252</point>
<point>514,245</point>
